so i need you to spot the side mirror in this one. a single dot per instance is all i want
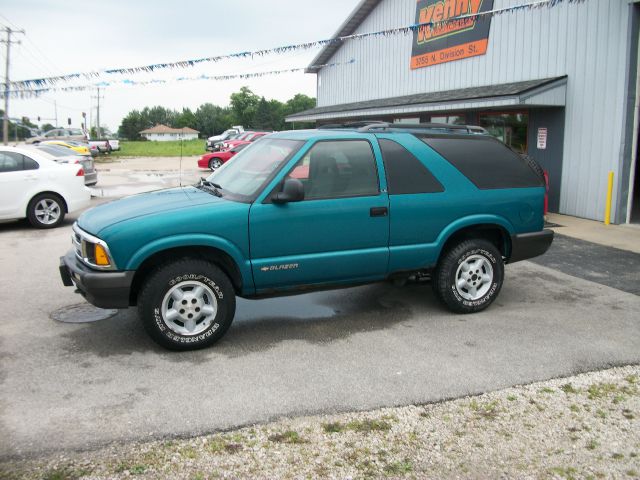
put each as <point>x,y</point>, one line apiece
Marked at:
<point>292,191</point>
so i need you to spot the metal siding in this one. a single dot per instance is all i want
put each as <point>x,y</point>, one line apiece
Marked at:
<point>586,41</point>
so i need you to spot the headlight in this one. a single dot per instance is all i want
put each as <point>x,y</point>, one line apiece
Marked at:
<point>91,250</point>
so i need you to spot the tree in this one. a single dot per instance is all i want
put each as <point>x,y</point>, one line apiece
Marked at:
<point>299,103</point>
<point>269,115</point>
<point>246,109</point>
<point>243,106</point>
<point>212,119</point>
<point>158,115</point>
<point>132,125</point>
<point>47,126</point>
<point>185,119</point>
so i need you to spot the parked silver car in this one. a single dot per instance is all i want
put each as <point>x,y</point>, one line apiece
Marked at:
<point>60,134</point>
<point>65,155</point>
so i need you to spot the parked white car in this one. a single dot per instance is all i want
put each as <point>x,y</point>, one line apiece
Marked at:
<point>211,141</point>
<point>34,187</point>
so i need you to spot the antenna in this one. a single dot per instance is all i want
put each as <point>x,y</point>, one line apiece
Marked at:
<point>181,140</point>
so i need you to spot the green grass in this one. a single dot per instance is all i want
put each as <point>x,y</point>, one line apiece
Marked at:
<point>287,437</point>
<point>159,149</point>
<point>369,425</point>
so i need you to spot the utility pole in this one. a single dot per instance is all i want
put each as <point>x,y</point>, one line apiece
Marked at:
<point>5,120</point>
<point>98,114</point>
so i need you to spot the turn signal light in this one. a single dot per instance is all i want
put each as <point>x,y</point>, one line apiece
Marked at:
<point>80,173</point>
<point>102,258</point>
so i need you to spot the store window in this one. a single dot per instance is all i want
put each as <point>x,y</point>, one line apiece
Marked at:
<point>453,119</point>
<point>509,128</point>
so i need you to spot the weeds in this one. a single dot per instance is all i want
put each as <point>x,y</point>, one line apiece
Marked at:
<point>288,436</point>
<point>369,425</point>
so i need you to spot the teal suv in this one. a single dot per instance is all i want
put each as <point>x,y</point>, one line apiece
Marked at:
<point>314,209</point>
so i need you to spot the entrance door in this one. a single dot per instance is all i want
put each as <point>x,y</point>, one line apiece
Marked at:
<point>546,142</point>
<point>338,233</point>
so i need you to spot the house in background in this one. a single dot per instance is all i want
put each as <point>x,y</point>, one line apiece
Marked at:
<point>162,133</point>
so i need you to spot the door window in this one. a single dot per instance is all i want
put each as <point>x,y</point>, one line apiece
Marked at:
<point>16,162</point>
<point>333,169</point>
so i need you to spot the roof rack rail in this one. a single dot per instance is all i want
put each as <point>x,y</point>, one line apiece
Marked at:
<point>356,124</point>
<point>421,126</point>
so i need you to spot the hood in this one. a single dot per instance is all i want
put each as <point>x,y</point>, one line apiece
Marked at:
<point>96,219</point>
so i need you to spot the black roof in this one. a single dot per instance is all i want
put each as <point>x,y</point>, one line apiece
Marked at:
<point>489,91</point>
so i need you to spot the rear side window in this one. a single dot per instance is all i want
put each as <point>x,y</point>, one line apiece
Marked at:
<point>488,163</point>
<point>405,173</point>
<point>16,162</point>
<point>30,164</point>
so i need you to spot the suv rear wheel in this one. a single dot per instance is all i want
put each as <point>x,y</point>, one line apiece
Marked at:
<point>469,276</point>
<point>186,305</point>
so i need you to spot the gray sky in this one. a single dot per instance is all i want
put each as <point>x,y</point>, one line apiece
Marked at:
<point>83,35</point>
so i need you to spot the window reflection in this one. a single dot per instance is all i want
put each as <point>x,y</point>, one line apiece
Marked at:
<point>510,128</point>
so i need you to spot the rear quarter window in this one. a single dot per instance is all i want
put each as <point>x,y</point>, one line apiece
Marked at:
<point>486,162</point>
<point>405,173</point>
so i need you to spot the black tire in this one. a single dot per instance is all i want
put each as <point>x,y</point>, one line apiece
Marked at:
<point>188,273</point>
<point>46,202</point>
<point>215,163</point>
<point>447,274</point>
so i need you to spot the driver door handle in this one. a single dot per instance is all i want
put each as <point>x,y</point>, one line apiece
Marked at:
<point>378,212</point>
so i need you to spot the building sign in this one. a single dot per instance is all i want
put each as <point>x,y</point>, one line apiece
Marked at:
<point>542,138</point>
<point>447,41</point>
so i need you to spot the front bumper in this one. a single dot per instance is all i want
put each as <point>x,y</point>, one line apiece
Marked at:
<point>529,245</point>
<point>102,289</point>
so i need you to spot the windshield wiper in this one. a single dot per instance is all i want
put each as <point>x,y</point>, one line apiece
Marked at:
<point>210,186</point>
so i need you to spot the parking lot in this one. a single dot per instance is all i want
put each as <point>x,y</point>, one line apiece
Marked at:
<point>74,386</point>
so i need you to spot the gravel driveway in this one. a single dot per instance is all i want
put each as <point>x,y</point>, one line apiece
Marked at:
<point>586,426</point>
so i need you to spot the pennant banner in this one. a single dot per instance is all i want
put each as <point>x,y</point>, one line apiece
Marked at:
<point>36,92</point>
<point>410,29</point>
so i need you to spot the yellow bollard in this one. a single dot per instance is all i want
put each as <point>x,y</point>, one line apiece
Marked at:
<point>607,210</point>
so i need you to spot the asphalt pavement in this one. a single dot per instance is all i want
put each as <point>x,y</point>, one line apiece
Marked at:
<point>75,386</point>
<point>598,263</point>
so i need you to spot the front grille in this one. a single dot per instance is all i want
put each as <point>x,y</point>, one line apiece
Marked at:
<point>76,240</point>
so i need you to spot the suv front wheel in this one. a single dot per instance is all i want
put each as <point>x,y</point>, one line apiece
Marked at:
<point>469,276</point>
<point>187,304</point>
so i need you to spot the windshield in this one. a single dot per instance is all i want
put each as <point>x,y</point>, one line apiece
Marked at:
<point>253,166</point>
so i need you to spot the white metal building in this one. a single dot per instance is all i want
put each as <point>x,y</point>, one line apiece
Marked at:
<point>559,83</point>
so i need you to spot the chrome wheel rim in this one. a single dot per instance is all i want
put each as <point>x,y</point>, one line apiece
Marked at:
<point>47,211</point>
<point>189,308</point>
<point>474,277</point>
<point>215,164</point>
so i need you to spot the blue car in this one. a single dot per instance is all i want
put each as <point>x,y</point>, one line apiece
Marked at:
<point>332,207</point>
